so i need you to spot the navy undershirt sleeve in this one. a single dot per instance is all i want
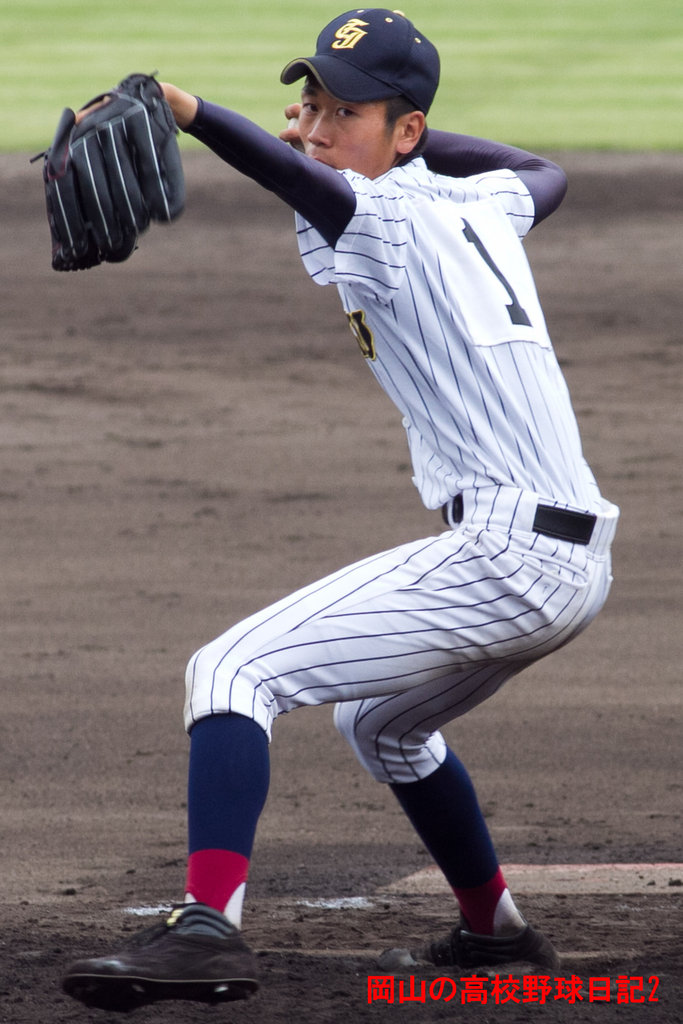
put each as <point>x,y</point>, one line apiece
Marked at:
<point>323,196</point>
<point>460,156</point>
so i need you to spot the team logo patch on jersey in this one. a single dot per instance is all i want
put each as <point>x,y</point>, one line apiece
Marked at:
<point>362,333</point>
<point>349,34</point>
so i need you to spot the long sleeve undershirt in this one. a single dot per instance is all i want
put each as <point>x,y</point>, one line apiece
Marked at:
<point>323,196</point>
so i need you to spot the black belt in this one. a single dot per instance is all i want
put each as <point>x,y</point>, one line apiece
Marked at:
<point>562,523</point>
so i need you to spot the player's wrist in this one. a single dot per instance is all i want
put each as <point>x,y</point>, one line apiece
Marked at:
<point>183,104</point>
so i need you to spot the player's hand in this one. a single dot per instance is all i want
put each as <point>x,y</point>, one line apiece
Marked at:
<point>183,104</point>
<point>291,134</point>
<point>84,111</point>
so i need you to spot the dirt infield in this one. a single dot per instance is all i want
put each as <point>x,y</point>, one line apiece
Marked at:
<point>192,434</point>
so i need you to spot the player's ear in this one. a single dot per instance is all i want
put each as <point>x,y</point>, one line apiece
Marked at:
<point>409,129</point>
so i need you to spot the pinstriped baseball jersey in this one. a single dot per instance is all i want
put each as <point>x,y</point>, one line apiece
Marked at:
<point>457,338</point>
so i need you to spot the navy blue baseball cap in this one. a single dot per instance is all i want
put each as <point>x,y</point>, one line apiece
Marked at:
<point>371,54</point>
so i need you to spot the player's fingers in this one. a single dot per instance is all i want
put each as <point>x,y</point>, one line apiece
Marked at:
<point>292,110</point>
<point>90,107</point>
<point>288,133</point>
<point>291,134</point>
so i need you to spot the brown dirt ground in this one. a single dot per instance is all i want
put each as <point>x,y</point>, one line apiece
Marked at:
<point>192,434</point>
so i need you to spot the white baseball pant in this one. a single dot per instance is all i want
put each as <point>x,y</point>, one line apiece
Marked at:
<point>411,638</point>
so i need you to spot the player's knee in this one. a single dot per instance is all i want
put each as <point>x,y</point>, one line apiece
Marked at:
<point>389,754</point>
<point>351,725</point>
<point>221,686</point>
<point>362,729</point>
<point>344,718</point>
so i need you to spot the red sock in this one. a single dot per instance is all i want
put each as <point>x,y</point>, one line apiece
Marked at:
<point>479,903</point>
<point>218,878</point>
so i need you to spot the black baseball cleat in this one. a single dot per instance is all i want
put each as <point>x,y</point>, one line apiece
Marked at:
<point>195,954</point>
<point>464,948</point>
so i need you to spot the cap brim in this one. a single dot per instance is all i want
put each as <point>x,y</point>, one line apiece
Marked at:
<point>338,78</point>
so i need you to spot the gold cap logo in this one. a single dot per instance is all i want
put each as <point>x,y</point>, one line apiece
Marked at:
<point>349,34</point>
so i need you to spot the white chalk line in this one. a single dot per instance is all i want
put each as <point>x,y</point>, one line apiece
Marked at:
<point>551,879</point>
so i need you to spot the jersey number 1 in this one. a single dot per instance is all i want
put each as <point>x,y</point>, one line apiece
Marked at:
<point>516,312</point>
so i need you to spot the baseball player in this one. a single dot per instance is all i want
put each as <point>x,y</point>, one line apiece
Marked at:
<point>421,234</point>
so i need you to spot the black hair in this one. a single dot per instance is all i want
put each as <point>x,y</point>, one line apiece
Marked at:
<point>396,107</point>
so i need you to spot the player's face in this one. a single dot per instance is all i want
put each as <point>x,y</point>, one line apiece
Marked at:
<point>347,135</point>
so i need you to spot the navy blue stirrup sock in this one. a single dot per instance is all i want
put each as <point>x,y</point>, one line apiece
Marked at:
<point>228,782</point>
<point>445,812</point>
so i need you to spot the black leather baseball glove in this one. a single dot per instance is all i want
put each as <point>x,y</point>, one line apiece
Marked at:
<point>112,173</point>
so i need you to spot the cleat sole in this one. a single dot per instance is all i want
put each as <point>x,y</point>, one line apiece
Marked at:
<point>123,994</point>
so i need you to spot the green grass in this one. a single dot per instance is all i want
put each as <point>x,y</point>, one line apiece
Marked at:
<point>545,74</point>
